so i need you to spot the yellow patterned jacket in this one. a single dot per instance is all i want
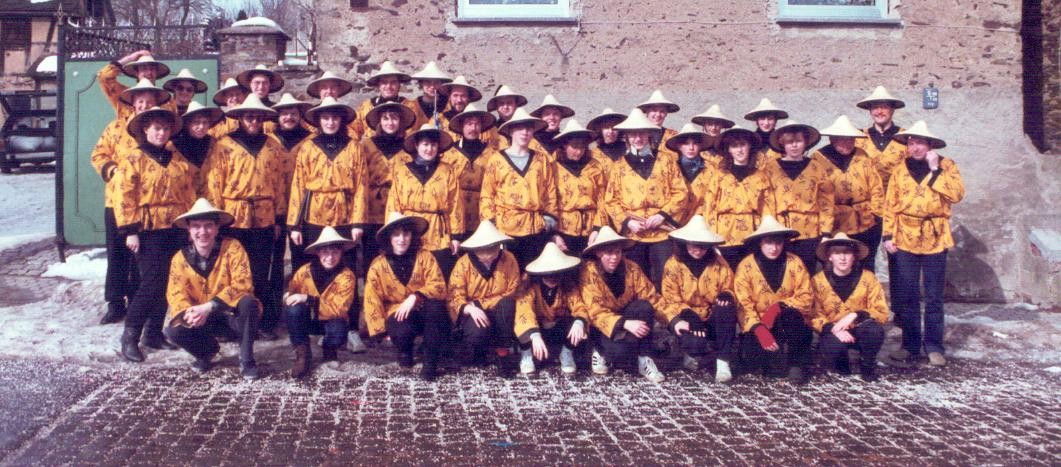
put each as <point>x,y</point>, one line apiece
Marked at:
<point>628,194</point>
<point>113,145</point>
<point>517,202</point>
<point>108,83</point>
<point>604,308</point>
<point>733,207</point>
<point>287,168</point>
<point>579,197</point>
<point>805,204</point>
<point>378,169</point>
<point>917,215</point>
<point>334,302</point>
<point>885,161</point>
<point>152,196</point>
<point>534,312</point>
<point>251,188</point>
<point>681,290</point>
<point>224,127</point>
<point>868,296</point>
<point>471,180</point>
<point>384,292</point>
<point>859,194</point>
<point>437,199</point>
<point>467,284</point>
<point>336,187</point>
<point>228,281</point>
<point>754,294</point>
<point>696,191</point>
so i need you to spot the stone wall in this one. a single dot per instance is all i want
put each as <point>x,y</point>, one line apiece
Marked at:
<point>1052,75</point>
<point>732,53</point>
<point>244,51</point>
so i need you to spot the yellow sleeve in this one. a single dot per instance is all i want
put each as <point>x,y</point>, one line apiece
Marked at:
<point>802,297</point>
<point>876,191</point>
<point>509,274</point>
<point>108,83</point>
<point>240,283</point>
<point>434,286</point>
<point>645,290</point>
<point>294,201</point>
<point>526,323</point>
<point>214,175</point>
<point>375,310</point>
<point>592,296</point>
<point>359,205</point>
<point>877,306</point>
<point>458,287</point>
<point>949,182</point>
<point>826,203</point>
<point>678,195</point>
<point>297,284</point>
<point>128,213</point>
<point>487,191</point>
<point>177,286</point>
<point>103,156</point>
<point>550,201</point>
<point>335,301</point>
<point>744,290</point>
<point>671,290</point>
<point>613,198</point>
<point>456,206</point>
<point>891,203</point>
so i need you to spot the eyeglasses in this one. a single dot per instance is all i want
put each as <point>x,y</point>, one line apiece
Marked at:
<point>184,88</point>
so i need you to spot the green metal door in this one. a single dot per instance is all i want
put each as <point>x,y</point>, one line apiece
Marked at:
<point>85,113</point>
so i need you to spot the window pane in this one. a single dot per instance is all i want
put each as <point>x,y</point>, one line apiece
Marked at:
<point>513,2</point>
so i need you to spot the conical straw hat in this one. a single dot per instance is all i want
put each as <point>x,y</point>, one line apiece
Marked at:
<point>765,107</point>
<point>770,227</point>
<point>713,113</point>
<point>551,101</point>
<point>406,115</point>
<point>505,91</point>
<point>920,128</point>
<point>606,236</point>
<point>330,104</point>
<point>195,108</point>
<point>431,71</point>
<point>287,100</point>
<point>444,139</point>
<point>229,85</point>
<point>329,236</point>
<point>521,116</point>
<point>203,208</point>
<point>733,132</point>
<point>416,224</point>
<point>185,75</point>
<point>697,231</point>
<point>314,87</point>
<point>843,127</point>
<point>811,133</point>
<point>880,94</point>
<point>135,127</point>
<point>637,121</point>
<point>473,94</point>
<point>456,124</point>
<point>276,82</point>
<point>861,250</point>
<point>552,261</point>
<point>571,130</point>
<point>251,105</point>
<point>161,95</point>
<point>387,69</point>
<point>657,99</point>
<point>605,118</point>
<point>688,130</point>
<point>485,235</point>
<point>145,60</point>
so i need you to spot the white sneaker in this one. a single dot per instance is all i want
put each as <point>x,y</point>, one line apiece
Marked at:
<point>690,363</point>
<point>567,361</point>
<point>648,369</point>
<point>722,372</point>
<point>526,361</point>
<point>599,364</point>
<point>354,344</point>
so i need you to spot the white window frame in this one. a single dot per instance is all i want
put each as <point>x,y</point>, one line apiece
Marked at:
<point>832,12</point>
<point>466,10</point>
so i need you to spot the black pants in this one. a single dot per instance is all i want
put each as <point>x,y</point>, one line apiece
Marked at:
<point>721,328</point>
<point>556,335</point>
<point>733,255</point>
<point>651,257</point>
<point>871,237</point>
<point>369,248</point>
<point>575,244</point>
<point>310,234</point>
<point>302,321</point>
<point>122,274</point>
<point>446,261</point>
<point>528,247</point>
<point>499,333</point>
<point>869,337</point>
<point>431,320</point>
<point>200,341</point>
<point>259,245</point>
<point>793,336</point>
<point>623,347</point>
<point>276,267</point>
<point>806,250</point>
<point>912,272</point>
<point>148,306</point>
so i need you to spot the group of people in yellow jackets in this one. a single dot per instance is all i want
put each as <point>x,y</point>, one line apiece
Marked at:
<point>487,230</point>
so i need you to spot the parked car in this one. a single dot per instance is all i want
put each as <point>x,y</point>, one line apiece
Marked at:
<point>28,136</point>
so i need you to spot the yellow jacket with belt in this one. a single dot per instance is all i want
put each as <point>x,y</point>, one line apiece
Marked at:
<point>663,192</point>
<point>437,199</point>
<point>807,203</point>
<point>228,281</point>
<point>378,169</point>
<point>335,300</point>
<point>579,197</point>
<point>250,188</point>
<point>681,290</point>
<point>336,187</point>
<point>114,145</point>
<point>859,194</point>
<point>734,207</point>
<point>533,311</point>
<point>604,308</point>
<point>867,297</point>
<point>469,285</point>
<point>152,195</point>
<point>754,294</point>
<point>384,293</point>
<point>917,214</point>
<point>518,201</point>
<point>697,189</point>
<point>471,180</point>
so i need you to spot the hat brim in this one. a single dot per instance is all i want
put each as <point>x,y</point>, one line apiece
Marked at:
<point>726,123</point>
<point>313,114</point>
<point>266,113</point>
<point>343,245</point>
<point>465,246</point>
<point>591,250</point>
<point>223,92</point>
<point>135,128</point>
<point>161,95</point>
<point>737,133</point>
<point>314,87</point>
<point>565,112</point>
<point>374,79</point>
<point>563,138</point>
<point>200,85</point>
<point>223,218</point>
<point>302,107</point>
<point>600,121</point>
<point>671,107</point>
<point>933,142</point>
<point>473,94</point>
<point>788,234</point>
<point>868,103</point>
<point>780,114</point>
<point>130,68</point>
<point>444,141</point>
<point>418,225</point>
<point>214,113</point>
<point>506,128</point>
<point>559,269</point>
<point>276,82</point>
<point>456,123</point>
<point>862,251</point>
<point>675,141</point>
<point>812,135</point>
<point>491,105</point>
<point>407,117</point>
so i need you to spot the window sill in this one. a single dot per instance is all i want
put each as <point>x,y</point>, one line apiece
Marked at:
<point>533,21</point>
<point>838,21</point>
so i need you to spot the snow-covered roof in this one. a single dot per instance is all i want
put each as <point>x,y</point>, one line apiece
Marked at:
<point>257,21</point>
<point>49,64</point>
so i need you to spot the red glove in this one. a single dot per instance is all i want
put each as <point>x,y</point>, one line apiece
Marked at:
<point>770,315</point>
<point>763,335</point>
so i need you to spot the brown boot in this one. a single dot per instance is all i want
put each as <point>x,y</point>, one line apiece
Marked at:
<point>303,361</point>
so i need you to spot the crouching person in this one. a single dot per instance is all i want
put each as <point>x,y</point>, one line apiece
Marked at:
<point>210,291</point>
<point>698,298</point>
<point>849,307</point>
<point>621,302</point>
<point>775,297</point>
<point>549,312</point>
<point>483,287</point>
<point>405,294</point>
<point>318,300</point>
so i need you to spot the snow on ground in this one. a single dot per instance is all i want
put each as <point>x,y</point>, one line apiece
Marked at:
<point>85,266</point>
<point>28,214</point>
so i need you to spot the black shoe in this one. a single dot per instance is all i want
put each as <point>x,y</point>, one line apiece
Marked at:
<point>158,342</point>
<point>267,335</point>
<point>843,366</point>
<point>131,346</point>
<point>249,371</point>
<point>405,360</point>
<point>202,365</point>
<point>869,373</point>
<point>115,313</point>
<point>429,372</point>
<point>797,376</point>
<point>329,354</point>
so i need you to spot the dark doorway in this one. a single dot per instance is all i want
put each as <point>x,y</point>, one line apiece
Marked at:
<point>1031,33</point>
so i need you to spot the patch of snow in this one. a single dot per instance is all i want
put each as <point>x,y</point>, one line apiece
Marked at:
<point>34,194</point>
<point>50,64</point>
<point>15,241</point>
<point>296,61</point>
<point>1053,369</point>
<point>85,266</point>
<point>257,21</point>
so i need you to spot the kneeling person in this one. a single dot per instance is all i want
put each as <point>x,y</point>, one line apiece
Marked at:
<point>549,311</point>
<point>210,291</point>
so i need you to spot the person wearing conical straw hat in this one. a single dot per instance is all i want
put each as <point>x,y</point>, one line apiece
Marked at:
<point>713,121</point>
<point>389,122</point>
<point>318,300</point>
<point>738,195</point>
<point>329,85</point>
<point>696,167</point>
<point>580,184</point>
<point>645,195</point>
<point>505,101</point>
<point>246,177</point>
<point>917,233</point>
<point>776,299</point>
<point>156,184</point>
<point>458,95</point>
<point>194,141</point>
<point>883,149</point>
<point>859,192</point>
<point>765,115</point>
<point>549,310</point>
<point>552,112</point>
<point>849,307</point>
<point>431,102</point>
<point>139,65</point>
<point>698,301</point>
<point>609,146</point>
<point>388,82</point>
<point>482,294</point>
<point>425,187</point>
<point>803,195</point>
<point>405,294</point>
<point>229,96</point>
<point>261,81</point>
<point>211,291</point>
<point>469,155</point>
<point>519,189</point>
<point>184,87</point>
<point>656,108</point>
<point>621,303</point>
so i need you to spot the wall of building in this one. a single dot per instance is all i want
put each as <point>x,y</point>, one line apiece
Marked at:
<point>1052,75</point>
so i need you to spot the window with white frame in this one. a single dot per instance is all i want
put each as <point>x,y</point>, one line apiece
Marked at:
<point>513,9</point>
<point>832,10</point>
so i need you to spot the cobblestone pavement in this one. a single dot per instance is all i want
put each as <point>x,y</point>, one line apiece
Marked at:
<point>362,413</point>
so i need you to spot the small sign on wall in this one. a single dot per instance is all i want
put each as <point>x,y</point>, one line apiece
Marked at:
<point>930,97</point>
